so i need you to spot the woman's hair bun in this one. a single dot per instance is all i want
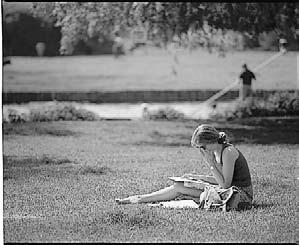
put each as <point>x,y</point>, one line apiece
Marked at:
<point>222,137</point>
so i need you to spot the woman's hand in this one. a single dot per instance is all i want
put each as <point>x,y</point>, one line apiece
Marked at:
<point>208,156</point>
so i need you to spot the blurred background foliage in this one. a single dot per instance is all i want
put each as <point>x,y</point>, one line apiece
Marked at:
<point>72,28</point>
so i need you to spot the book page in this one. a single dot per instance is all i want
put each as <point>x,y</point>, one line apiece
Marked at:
<point>191,182</point>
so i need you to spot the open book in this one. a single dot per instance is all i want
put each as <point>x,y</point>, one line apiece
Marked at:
<point>198,183</point>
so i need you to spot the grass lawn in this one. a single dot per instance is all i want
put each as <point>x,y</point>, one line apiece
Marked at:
<point>61,179</point>
<point>151,71</point>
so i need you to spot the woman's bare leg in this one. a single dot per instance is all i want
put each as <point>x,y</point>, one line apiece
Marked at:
<point>166,194</point>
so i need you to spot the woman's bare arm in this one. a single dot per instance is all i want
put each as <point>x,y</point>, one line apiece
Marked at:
<point>224,178</point>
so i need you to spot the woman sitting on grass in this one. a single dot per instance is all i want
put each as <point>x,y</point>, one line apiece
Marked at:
<point>227,164</point>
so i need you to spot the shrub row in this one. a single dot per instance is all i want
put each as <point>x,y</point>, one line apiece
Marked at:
<point>165,113</point>
<point>276,104</point>
<point>55,112</point>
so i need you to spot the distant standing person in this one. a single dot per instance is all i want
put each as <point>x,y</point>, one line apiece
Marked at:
<point>246,76</point>
<point>117,48</point>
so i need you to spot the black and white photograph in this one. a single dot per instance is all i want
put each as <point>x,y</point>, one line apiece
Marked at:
<point>150,122</point>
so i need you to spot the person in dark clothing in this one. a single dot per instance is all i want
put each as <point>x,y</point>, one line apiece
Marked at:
<point>246,77</point>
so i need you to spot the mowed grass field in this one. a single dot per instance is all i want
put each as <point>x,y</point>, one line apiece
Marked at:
<point>151,70</point>
<point>61,179</point>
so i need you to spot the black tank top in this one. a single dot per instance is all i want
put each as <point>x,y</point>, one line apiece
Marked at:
<point>241,176</point>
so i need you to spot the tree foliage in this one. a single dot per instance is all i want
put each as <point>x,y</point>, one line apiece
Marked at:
<point>21,31</point>
<point>165,20</point>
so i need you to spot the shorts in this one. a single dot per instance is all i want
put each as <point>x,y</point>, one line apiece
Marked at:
<point>245,91</point>
<point>246,194</point>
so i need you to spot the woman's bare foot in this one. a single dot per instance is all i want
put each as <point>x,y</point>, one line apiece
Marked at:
<point>128,200</point>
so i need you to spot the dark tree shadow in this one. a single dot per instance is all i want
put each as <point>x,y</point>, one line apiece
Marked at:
<point>47,166</point>
<point>36,129</point>
<point>265,135</point>
<point>263,130</point>
<point>268,132</point>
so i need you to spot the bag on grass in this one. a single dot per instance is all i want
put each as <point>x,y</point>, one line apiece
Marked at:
<point>215,198</point>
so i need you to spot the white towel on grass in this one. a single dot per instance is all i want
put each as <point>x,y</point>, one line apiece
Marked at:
<point>176,204</point>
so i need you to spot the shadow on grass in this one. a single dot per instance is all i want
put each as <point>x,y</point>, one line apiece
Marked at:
<point>45,166</point>
<point>161,139</point>
<point>96,170</point>
<point>237,133</point>
<point>138,219</point>
<point>262,205</point>
<point>15,168</point>
<point>35,129</point>
<point>12,161</point>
